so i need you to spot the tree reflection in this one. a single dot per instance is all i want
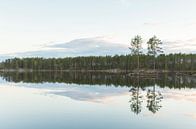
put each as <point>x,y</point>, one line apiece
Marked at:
<point>136,101</point>
<point>153,98</point>
<point>136,98</point>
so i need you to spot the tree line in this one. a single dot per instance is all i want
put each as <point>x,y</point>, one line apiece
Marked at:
<point>171,62</point>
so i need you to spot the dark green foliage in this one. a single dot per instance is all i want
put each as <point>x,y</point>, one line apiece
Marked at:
<point>171,62</point>
<point>96,78</point>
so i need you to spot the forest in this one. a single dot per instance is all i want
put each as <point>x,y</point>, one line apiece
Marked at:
<point>171,62</point>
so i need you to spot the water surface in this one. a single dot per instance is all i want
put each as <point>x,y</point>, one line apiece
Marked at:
<point>96,101</point>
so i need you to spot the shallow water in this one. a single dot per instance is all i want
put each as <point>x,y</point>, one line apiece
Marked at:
<point>58,105</point>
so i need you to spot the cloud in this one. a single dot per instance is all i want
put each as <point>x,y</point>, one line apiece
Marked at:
<point>152,23</point>
<point>183,46</point>
<point>97,46</point>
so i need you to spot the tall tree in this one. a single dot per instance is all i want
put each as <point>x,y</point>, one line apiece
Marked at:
<point>136,48</point>
<point>154,48</point>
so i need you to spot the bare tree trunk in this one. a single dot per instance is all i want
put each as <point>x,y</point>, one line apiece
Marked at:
<point>155,66</point>
<point>154,63</point>
<point>138,63</point>
<point>165,63</point>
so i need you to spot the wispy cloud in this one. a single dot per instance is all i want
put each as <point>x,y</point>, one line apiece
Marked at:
<point>97,46</point>
<point>183,46</point>
<point>153,23</point>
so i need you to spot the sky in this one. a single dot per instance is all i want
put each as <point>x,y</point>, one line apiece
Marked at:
<point>32,25</point>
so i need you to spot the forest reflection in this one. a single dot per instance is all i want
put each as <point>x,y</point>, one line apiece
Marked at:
<point>108,79</point>
<point>144,90</point>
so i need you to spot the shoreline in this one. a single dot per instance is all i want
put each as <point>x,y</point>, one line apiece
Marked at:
<point>103,71</point>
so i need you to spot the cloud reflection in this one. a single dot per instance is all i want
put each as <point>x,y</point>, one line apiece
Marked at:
<point>98,94</point>
<point>179,95</point>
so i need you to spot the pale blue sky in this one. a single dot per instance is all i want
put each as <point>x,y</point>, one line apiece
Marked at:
<point>31,24</point>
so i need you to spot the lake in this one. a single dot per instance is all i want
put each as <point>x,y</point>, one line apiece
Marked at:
<point>61,100</point>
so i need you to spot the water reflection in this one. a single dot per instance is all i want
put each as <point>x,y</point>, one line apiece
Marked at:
<point>153,97</point>
<point>143,89</point>
<point>91,78</point>
<point>91,99</point>
<point>88,93</point>
<point>136,100</point>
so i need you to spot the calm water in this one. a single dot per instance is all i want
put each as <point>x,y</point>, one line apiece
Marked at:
<point>96,101</point>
